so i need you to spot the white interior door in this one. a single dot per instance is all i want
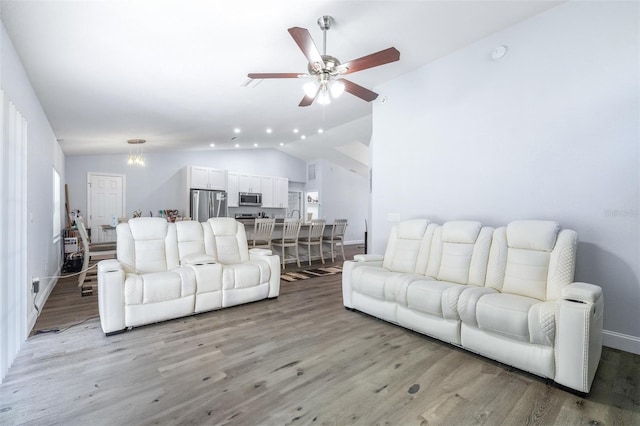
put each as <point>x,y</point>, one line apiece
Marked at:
<point>106,199</point>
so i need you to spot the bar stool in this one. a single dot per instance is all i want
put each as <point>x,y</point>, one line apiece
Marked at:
<point>336,237</point>
<point>92,252</point>
<point>263,233</point>
<point>316,229</point>
<point>289,238</point>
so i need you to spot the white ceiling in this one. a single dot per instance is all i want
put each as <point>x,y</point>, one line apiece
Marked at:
<point>171,71</point>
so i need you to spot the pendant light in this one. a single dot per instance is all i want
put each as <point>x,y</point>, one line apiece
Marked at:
<point>136,156</point>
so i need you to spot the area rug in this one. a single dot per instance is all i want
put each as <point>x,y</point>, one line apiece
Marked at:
<point>310,273</point>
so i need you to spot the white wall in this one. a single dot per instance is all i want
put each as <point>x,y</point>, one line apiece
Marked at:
<point>343,194</point>
<point>158,185</point>
<point>551,131</point>
<point>43,154</point>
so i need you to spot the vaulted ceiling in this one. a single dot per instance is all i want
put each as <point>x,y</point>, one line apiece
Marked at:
<point>174,72</point>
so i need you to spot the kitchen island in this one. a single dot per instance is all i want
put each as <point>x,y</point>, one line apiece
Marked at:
<point>277,233</point>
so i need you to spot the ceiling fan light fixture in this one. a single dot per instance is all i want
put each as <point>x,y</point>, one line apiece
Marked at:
<point>323,97</point>
<point>310,88</point>
<point>336,88</point>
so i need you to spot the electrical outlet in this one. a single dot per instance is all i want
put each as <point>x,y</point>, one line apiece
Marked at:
<point>35,285</point>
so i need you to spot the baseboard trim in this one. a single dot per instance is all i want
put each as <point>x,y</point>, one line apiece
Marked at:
<point>623,342</point>
<point>40,301</point>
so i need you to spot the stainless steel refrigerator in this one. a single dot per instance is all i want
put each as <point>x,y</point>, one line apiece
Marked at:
<point>207,203</point>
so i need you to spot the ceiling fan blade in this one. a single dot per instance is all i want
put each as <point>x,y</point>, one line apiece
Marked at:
<point>275,75</point>
<point>373,60</point>
<point>359,91</point>
<point>304,41</point>
<point>308,100</point>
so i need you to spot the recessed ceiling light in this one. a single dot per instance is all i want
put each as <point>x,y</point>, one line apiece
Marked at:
<point>320,130</point>
<point>236,130</point>
<point>303,137</point>
<point>255,144</point>
<point>295,130</point>
<point>237,145</point>
<point>281,143</point>
<point>212,145</point>
<point>268,130</point>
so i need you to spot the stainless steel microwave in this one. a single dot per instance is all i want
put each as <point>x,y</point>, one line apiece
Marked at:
<point>250,199</point>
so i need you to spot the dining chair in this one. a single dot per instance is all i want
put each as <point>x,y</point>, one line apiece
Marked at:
<point>262,233</point>
<point>336,237</point>
<point>289,238</point>
<point>314,238</point>
<point>92,251</point>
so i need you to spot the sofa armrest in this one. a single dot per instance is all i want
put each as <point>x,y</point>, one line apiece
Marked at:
<point>347,269</point>
<point>368,258</point>
<point>582,292</point>
<point>197,259</point>
<point>260,252</point>
<point>111,295</point>
<point>274,264</point>
<point>578,335</point>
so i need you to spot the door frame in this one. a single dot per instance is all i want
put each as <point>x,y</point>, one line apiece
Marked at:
<point>124,193</point>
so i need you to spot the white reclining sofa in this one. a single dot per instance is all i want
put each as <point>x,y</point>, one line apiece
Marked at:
<point>505,293</point>
<point>168,270</point>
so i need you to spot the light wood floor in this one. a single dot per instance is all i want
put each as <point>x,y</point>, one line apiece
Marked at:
<point>298,359</point>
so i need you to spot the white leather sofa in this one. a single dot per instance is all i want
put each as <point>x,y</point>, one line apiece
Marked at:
<point>167,270</point>
<point>505,293</point>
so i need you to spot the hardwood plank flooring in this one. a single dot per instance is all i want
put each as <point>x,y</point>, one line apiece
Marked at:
<point>299,359</point>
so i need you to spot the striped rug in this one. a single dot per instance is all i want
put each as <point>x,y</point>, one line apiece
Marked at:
<point>310,273</point>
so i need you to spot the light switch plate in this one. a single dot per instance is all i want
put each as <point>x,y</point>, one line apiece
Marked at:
<point>393,217</point>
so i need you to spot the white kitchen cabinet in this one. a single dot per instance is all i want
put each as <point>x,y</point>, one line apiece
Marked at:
<point>206,178</point>
<point>232,190</point>
<point>280,192</point>
<point>267,192</point>
<point>275,192</point>
<point>249,183</point>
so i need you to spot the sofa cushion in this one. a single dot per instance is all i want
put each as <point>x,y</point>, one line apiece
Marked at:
<point>526,273</point>
<point>157,287</point>
<point>226,240</point>
<point>439,298</point>
<point>532,234</point>
<point>461,231</point>
<point>382,284</point>
<point>531,258</point>
<point>409,241</point>
<point>454,266</point>
<point>245,275</point>
<point>459,252</point>
<point>505,314</point>
<point>147,244</point>
<point>190,238</point>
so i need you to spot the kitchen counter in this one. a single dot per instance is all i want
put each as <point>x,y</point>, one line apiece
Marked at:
<point>277,231</point>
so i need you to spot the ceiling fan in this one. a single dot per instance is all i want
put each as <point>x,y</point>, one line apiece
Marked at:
<point>327,71</point>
